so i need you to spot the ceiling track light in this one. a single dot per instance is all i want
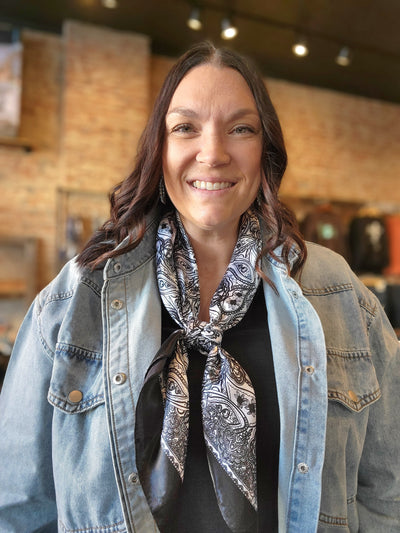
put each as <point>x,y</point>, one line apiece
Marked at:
<point>228,30</point>
<point>110,4</point>
<point>300,47</point>
<point>344,57</point>
<point>194,20</point>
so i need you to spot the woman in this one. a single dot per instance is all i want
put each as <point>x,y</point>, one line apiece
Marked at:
<point>198,368</point>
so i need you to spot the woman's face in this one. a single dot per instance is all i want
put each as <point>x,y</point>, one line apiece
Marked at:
<point>212,152</point>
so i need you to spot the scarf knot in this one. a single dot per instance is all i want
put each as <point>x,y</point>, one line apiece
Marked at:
<point>203,336</point>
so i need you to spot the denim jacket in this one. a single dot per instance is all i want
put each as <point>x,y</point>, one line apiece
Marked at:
<point>68,402</point>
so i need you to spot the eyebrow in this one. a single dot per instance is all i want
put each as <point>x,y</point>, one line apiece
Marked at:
<point>188,112</point>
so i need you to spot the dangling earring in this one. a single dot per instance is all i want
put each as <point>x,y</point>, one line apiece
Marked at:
<point>162,191</point>
<point>260,197</point>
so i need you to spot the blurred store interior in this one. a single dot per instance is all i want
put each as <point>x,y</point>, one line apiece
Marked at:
<point>77,81</point>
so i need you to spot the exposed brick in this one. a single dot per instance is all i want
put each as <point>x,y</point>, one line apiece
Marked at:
<point>85,100</point>
<point>105,103</point>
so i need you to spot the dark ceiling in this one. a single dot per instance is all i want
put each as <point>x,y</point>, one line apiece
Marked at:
<point>267,30</point>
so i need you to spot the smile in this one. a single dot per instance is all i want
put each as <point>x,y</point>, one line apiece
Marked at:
<point>211,186</point>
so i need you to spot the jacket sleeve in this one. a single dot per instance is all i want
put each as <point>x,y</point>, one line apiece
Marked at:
<point>27,499</point>
<point>379,471</point>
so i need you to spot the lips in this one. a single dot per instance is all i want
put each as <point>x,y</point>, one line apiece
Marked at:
<point>211,185</point>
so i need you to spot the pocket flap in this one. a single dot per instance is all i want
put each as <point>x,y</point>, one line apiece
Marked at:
<point>352,379</point>
<point>76,383</point>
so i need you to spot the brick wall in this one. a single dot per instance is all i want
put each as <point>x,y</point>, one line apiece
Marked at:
<point>105,103</point>
<point>340,146</point>
<point>84,104</point>
<point>86,96</point>
<point>28,180</point>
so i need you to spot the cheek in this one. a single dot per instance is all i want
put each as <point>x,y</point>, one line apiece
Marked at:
<point>169,168</point>
<point>173,171</point>
<point>254,174</point>
<point>249,159</point>
<point>175,160</point>
<point>167,160</point>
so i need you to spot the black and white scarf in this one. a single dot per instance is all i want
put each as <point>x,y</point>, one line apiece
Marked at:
<point>228,398</point>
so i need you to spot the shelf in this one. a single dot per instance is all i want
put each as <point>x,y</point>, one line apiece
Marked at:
<point>17,142</point>
<point>12,288</point>
<point>18,264</point>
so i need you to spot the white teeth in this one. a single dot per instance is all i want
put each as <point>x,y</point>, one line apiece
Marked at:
<point>210,186</point>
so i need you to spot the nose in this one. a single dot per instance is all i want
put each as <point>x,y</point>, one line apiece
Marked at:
<point>213,151</point>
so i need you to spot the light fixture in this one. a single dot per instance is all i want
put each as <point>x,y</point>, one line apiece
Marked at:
<point>228,30</point>
<point>344,57</point>
<point>194,21</point>
<point>110,4</point>
<point>300,47</point>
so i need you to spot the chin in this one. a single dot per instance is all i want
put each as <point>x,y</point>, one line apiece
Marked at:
<point>214,218</point>
<point>216,222</point>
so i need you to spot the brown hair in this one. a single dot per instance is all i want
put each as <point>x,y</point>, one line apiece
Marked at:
<point>133,198</point>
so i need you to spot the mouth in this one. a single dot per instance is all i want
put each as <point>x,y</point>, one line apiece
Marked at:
<point>211,185</point>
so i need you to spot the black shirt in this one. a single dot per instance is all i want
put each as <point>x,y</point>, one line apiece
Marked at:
<point>249,343</point>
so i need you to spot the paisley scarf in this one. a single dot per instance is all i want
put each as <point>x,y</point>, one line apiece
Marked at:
<point>228,399</point>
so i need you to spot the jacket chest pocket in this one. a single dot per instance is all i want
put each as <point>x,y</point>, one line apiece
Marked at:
<point>76,384</point>
<point>352,379</point>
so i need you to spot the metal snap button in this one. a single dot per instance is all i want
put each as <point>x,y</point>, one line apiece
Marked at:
<point>75,396</point>
<point>119,378</point>
<point>133,478</point>
<point>117,267</point>
<point>302,468</point>
<point>117,304</point>
<point>309,370</point>
<point>353,396</point>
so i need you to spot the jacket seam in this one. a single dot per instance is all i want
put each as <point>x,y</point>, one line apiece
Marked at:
<point>330,289</point>
<point>123,482</point>
<point>371,309</point>
<point>333,520</point>
<point>296,432</point>
<point>122,488</point>
<point>62,404</point>
<point>365,400</point>
<point>349,354</point>
<point>39,310</point>
<point>78,352</point>
<point>92,285</point>
<point>54,297</point>
<point>47,350</point>
<point>105,529</point>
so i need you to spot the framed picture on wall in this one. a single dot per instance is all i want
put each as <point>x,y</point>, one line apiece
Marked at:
<point>79,214</point>
<point>10,88</point>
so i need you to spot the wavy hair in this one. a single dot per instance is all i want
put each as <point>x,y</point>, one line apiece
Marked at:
<point>133,198</point>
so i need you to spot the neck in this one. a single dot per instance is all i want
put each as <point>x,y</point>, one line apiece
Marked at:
<point>213,253</point>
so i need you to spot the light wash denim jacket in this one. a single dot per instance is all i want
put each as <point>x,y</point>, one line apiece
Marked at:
<point>68,403</point>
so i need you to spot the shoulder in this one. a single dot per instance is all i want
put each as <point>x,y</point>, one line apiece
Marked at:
<point>71,302</point>
<point>324,265</point>
<point>67,282</point>
<point>326,270</point>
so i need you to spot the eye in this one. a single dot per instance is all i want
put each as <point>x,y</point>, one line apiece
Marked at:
<point>242,129</point>
<point>183,129</point>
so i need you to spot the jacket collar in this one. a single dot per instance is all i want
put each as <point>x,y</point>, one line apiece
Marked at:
<point>276,261</point>
<point>132,260</point>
